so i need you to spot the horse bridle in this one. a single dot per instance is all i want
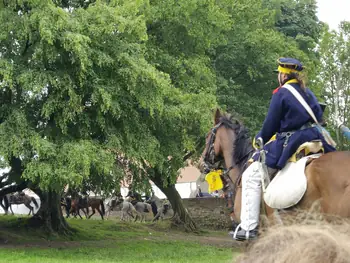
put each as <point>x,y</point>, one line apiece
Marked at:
<point>211,162</point>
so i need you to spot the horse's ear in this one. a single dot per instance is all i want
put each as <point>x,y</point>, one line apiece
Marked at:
<point>217,116</point>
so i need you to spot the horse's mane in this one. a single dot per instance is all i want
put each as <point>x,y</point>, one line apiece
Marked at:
<point>242,144</point>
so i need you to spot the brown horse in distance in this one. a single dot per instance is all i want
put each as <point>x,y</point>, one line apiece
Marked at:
<point>81,203</point>
<point>328,177</point>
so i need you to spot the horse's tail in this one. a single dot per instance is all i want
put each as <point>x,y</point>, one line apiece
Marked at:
<point>102,207</point>
<point>35,202</point>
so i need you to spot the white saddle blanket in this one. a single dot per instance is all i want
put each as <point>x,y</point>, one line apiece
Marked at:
<point>289,185</point>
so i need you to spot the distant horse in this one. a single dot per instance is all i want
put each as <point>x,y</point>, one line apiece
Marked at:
<point>162,209</point>
<point>113,204</point>
<point>141,208</point>
<point>86,202</point>
<point>165,210</point>
<point>128,210</point>
<point>21,198</point>
<point>155,202</point>
<point>76,206</point>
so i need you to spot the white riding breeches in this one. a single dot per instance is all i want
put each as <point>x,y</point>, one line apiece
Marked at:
<point>251,196</point>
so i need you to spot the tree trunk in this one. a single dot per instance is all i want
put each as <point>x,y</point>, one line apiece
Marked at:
<point>181,215</point>
<point>50,214</point>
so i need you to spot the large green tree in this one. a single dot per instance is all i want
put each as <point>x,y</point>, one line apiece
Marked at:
<point>93,90</point>
<point>79,88</point>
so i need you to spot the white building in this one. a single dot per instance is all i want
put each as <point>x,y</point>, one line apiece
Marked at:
<point>186,184</point>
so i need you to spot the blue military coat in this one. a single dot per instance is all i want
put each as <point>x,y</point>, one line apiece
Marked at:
<point>286,114</point>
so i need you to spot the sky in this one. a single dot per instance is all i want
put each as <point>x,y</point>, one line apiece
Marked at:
<point>333,11</point>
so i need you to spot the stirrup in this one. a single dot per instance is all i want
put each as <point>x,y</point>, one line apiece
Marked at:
<point>247,237</point>
<point>236,230</point>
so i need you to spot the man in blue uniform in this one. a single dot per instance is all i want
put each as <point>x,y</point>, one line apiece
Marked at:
<point>292,125</point>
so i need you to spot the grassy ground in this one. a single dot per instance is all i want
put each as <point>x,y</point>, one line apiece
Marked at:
<point>111,241</point>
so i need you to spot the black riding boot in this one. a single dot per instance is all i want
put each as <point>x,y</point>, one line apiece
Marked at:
<point>242,234</point>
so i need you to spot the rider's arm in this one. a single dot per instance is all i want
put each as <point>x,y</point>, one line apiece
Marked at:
<point>273,119</point>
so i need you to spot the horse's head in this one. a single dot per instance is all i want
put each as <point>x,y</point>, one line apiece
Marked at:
<point>227,141</point>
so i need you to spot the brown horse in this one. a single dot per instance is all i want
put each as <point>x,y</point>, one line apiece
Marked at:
<point>81,203</point>
<point>328,177</point>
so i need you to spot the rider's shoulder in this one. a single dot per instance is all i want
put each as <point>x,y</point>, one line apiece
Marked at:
<point>279,92</point>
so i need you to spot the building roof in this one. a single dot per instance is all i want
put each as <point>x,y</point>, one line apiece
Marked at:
<point>188,174</point>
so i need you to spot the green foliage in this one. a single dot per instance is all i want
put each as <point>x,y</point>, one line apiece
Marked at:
<point>79,84</point>
<point>86,82</point>
<point>72,79</point>
<point>335,78</point>
<point>246,63</point>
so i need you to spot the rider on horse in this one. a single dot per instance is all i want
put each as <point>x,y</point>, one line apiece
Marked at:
<point>345,130</point>
<point>293,126</point>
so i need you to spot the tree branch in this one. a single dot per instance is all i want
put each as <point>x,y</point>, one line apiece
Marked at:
<point>13,188</point>
<point>3,176</point>
<point>187,156</point>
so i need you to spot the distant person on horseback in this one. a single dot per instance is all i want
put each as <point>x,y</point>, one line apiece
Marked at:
<point>345,130</point>
<point>293,126</point>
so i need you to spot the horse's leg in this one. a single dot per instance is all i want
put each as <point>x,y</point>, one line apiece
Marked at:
<point>107,211</point>
<point>98,209</point>
<point>87,211</point>
<point>79,213</point>
<point>83,209</point>
<point>31,209</point>
<point>74,212</point>
<point>11,209</point>
<point>131,214</point>
<point>93,212</point>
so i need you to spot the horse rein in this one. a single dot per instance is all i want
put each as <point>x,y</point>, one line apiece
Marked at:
<point>210,159</point>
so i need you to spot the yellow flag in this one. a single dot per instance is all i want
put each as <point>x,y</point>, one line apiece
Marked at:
<point>214,180</point>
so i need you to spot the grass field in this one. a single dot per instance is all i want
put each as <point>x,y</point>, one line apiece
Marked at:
<point>112,241</point>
